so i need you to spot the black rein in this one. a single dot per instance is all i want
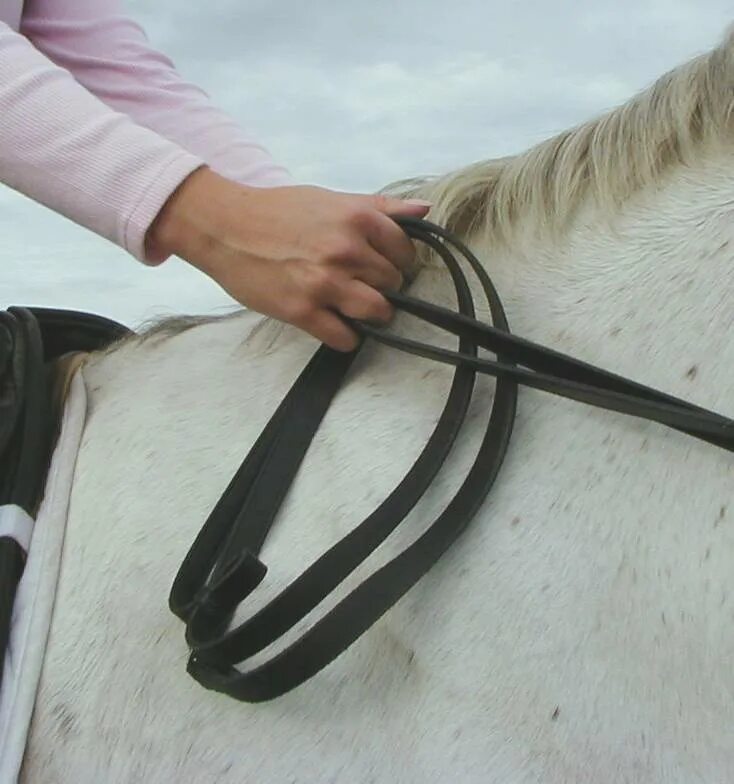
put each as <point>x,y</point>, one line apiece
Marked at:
<point>222,567</point>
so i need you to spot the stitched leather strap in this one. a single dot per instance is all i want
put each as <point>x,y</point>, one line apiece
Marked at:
<point>222,566</point>
<point>236,571</point>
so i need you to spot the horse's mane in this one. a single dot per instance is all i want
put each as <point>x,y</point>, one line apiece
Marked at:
<point>684,114</point>
<point>156,330</point>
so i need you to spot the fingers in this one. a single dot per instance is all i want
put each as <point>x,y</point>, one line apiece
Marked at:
<point>375,269</point>
<point>330,329</point>
<point>391,242</point>
<point>396,245</point>
<point>336,259</point>
<point>354,299</point>
<point>363,303</point>
<point>397,207</point>
<point>377,226</point>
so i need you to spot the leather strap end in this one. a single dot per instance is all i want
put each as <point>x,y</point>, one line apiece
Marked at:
<point>215,603</point>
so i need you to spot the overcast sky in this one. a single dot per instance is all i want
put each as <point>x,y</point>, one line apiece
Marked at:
<point>355,95</point>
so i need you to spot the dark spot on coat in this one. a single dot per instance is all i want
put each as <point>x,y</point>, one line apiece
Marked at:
<point>692,372</point>
<point>556,713</point>
<point>515,520</point>
<point>65,721</point>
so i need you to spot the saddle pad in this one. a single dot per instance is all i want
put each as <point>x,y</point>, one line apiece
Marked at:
<point>34,600</point>
<point>16,523</point>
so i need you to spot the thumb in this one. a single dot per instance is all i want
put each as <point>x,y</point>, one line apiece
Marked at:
<point>416,208</point>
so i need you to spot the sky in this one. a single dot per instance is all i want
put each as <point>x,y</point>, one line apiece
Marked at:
<point>353,96</point>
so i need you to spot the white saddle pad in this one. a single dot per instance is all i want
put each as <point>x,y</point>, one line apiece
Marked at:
<point>34,600</point>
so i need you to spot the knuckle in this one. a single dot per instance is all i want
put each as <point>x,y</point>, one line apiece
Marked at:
<point>390,278</point>
<point>318,284</point>
<point>361,219</point>
<point>341,250</point>
<point>345,342</point>
<point>380,202</point>
<point>381,312</point>
<point>402,251</point>
<point>337,335</point>
<point>408,252</point>
<point>299,311</point>
<point>396,279</point>
<point>371,308</point>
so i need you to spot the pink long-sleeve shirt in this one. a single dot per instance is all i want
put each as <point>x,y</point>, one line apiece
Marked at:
<point>100,127</point>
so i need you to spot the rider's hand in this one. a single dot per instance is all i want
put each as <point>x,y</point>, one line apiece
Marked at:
<point>301,254</point>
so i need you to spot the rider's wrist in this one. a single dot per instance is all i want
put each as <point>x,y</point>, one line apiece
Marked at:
<point>189,225</point>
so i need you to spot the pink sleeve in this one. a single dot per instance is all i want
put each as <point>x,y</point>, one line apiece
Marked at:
<point>64,148</point>
<point>110,55</point>
<point>87,158</point>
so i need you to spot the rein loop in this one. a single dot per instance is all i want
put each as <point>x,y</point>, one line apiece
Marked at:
<point>222,567</point>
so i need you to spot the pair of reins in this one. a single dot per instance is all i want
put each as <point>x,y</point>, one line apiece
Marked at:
<point>222,567</point>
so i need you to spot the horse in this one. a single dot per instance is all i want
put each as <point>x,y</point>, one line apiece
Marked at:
<point>580,630</point>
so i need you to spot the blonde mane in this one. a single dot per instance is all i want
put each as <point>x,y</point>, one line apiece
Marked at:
<point>683,115</point>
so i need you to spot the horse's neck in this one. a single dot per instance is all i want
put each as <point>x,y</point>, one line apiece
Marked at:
<point>647,291</point>
<point>649,295</point>
<point>565,541</point>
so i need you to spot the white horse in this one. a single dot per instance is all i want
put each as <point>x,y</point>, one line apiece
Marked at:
<point>582,629</point>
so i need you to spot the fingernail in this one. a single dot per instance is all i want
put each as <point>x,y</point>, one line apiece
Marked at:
<point>419,202</point>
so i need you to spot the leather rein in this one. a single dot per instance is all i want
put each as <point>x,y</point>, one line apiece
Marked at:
<point>222,566</point>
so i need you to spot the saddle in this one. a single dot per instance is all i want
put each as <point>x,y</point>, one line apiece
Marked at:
<point>32,341</point>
